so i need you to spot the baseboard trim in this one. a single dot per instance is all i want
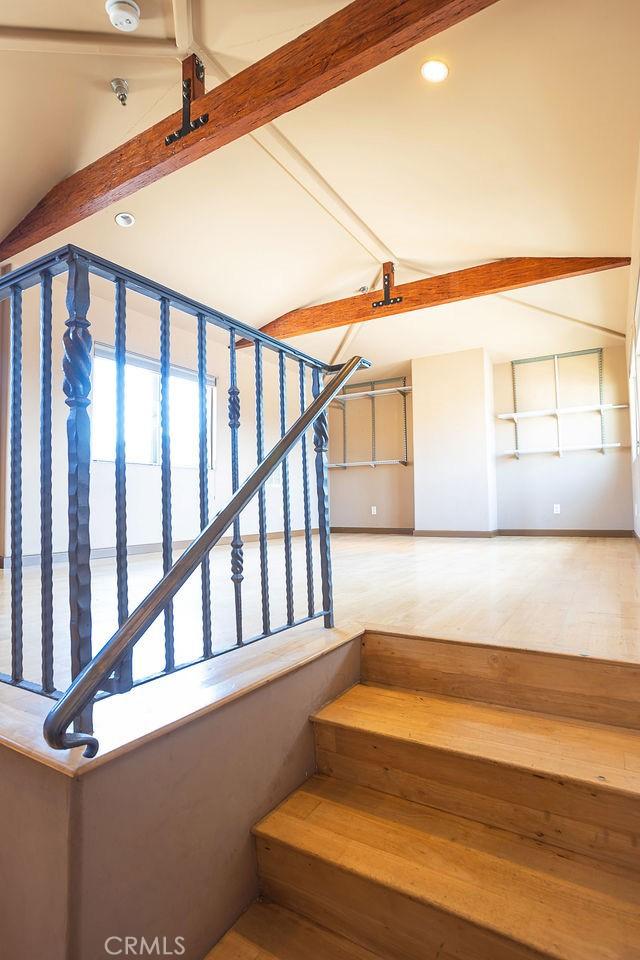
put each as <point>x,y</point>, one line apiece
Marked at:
<point>135,549</point>
<point>566,533</point>
<point>463,534</point>
<point>407,531</point>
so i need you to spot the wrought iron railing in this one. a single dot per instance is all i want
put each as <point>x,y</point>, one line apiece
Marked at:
<point>111,670</point>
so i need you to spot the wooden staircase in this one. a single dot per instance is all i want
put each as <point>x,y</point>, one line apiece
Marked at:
<point>450,820</point>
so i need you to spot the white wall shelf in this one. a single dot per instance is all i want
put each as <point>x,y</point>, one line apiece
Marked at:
<point>520,452</point>
<point>340,399</point>
<point>561,411</point>
<point>366,463</point>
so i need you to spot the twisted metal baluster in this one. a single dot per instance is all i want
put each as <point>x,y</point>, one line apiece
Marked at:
<point>237,556</point>
<point>321,445</point>
<point>286,502</point>
<point>308,538</point>
<point>203,476</point>
<point>46,509</point>
<point>124,673</point>
<point>165,472</point>
<point>262,503</point>
<point>76,366</point>
<point>17,671</point>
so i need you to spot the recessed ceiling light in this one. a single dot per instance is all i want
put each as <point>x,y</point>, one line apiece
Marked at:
<point>435,71</point>
<point>125,219</point>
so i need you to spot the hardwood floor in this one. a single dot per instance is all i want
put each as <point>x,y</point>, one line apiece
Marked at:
<point>572,595</point>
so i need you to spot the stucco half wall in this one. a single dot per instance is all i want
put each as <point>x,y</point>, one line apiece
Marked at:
<point>156,842</point>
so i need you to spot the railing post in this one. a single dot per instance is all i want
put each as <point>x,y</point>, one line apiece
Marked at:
<point>46,505</point>
<point>203,480</point>
<point>124,673</point>
<point>262,499</point>
<point>77,387</point>
<point>286,500</point>
<point>321,445</point>
<point>237,556</point>
<point>17,671</point>
<point>165,475</point>
<point>308,537</point>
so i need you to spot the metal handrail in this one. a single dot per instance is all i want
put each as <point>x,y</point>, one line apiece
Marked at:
<point>93,676</point>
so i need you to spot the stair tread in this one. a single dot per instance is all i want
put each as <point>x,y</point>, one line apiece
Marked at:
<point>269,932</point>
<point>561,905</point>
<point>604,756</point>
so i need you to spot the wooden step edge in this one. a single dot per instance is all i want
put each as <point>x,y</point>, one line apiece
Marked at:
<point>262,835</point>
<point>555,776</point>
<point>387,631</point>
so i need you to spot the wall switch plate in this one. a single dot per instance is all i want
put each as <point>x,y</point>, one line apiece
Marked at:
<point>374,510</point>
<point>556,508</point>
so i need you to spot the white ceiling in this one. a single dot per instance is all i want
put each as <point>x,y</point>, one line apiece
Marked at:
<point>528,149</point>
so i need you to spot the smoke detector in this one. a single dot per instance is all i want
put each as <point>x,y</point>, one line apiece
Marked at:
<point>124,14</point>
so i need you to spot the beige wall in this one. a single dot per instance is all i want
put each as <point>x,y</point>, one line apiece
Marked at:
<point>453,442</point>
<point>143,480</point>
<point>592,489</point>
<point>388,487</point>
<point>35,858</point>
<point>156,842</point>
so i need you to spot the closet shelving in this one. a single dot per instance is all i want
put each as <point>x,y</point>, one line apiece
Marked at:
<point>375,389</point>
<point>558,412</point>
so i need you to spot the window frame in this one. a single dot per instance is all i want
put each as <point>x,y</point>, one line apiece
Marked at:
<point>107,351</point>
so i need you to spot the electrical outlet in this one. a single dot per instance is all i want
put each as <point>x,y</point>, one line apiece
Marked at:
<point>556,508</point>
<point>374,510</point>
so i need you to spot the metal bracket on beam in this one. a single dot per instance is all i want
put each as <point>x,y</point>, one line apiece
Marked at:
<point>388,283</point>
<point>191,87</point>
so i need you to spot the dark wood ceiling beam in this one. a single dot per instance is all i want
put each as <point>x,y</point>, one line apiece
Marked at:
<point>357,38</point>
<point>481,281</point>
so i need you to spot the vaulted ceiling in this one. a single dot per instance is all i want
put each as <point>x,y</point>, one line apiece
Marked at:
<point>530,148</point>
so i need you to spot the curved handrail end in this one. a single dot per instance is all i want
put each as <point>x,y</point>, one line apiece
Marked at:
<point>61,740</point>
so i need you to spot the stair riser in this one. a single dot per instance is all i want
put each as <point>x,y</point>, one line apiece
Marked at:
<point>381,919</point>
<point>588,820</point>
<point>567,686</point>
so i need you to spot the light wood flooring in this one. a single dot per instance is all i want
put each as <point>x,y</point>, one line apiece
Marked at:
<point>571,595</point>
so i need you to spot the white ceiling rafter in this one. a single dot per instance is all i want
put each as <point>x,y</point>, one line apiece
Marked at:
<point>31,40</point>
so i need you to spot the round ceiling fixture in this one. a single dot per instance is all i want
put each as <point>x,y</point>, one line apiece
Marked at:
<point>124,14</point>
<point>435,71</point>
<point>124,219</point>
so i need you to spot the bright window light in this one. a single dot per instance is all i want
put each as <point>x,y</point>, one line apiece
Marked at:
<point>142,413</point>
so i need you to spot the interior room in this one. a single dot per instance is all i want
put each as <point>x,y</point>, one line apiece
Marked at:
<point>320,479</point>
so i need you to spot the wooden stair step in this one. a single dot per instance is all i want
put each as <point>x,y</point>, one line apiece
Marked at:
<point>571,783</point>
<point>588,688</point>
<point>414,883</point>
<point>269,932</point>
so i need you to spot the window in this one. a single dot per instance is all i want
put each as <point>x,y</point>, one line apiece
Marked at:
<point>142,411</point>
